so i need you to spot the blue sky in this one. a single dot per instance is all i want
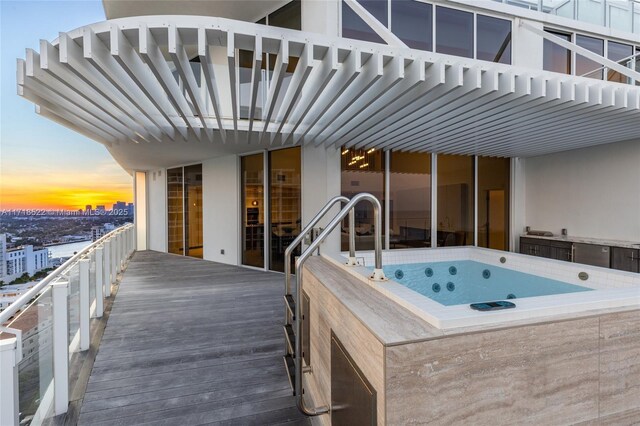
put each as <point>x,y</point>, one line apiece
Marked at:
<point>38,156</point>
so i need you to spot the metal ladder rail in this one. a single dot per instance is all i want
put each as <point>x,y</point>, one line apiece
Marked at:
<point>290,303</point>
<point>378,275</point>
<point>296,242</point>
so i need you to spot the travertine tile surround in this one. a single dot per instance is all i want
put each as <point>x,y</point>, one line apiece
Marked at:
<point>554,372</point>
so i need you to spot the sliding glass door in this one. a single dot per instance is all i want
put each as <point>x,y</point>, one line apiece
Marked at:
<point>280,208</point>
<point>184,211</point>
<point>252,181</point>
<point>285,204</point>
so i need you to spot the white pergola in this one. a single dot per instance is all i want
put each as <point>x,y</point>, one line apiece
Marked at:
<point>116,83</point>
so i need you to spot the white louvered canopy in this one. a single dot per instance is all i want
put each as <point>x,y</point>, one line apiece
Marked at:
<point>130,81</point>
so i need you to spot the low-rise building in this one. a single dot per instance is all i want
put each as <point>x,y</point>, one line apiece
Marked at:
<point>17,261</point>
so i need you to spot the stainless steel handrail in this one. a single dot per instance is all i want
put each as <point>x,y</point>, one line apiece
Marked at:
<point>35,290</point>
<point>296,242</point>
<point>378,275</point>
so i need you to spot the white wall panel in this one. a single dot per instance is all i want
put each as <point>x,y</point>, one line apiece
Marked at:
<point>592,192</point>
<point>221,211</point>
<point>158,210</point>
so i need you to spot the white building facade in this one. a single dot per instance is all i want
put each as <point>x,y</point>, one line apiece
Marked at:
<point>21,260</point>
<point>469,120</point>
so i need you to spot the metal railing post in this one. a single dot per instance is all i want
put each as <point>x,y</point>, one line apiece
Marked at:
<point>106,269</point>
<point>99,283</point>
<point>9,408</point>
<point>352,261</point>
<point>59,294</point>
<point>114,258</point>
<point>85,304</point>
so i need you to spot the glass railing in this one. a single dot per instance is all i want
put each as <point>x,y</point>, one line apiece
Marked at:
<point>622,15</point>
<point>43,328</point>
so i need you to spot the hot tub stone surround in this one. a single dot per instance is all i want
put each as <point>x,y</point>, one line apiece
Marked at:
<point>566,371</point>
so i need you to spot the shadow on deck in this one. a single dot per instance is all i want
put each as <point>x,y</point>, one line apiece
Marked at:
<point>191,342</point>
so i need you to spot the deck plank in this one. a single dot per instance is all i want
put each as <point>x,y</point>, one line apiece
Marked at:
<point>191,342</point>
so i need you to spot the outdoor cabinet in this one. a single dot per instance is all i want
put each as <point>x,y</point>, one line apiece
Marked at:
<point>625,259</point>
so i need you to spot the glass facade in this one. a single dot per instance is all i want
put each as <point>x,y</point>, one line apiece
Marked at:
<point>455,200</point>
<point>280,212</point>
<point>416,23</point>
<point>411,205</point>
<point>288,16</point>
<point>494,181</point>
<point>620,53</point>
<point>193,210</point>
<point>557,58</point>
<point>494,39</point>
<point>412,22</point>
<point>454,32</point>
<point>175,212</point>
<point>285,202</point>
<point>354,27</point>
<point>253,206</point>
<point>184,210</point>
<point>362,171</point>
<point>409,200</point>
<point>586,67</point>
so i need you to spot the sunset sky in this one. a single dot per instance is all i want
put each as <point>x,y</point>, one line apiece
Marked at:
<point>42,164</point>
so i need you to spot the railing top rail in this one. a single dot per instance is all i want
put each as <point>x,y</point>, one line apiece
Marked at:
<point>14,307</point>
<point>289,250</point>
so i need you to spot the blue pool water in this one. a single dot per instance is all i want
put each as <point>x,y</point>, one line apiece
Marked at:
<point>463,282</point>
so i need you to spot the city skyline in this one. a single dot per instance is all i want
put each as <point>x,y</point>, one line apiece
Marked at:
<point>44,165</point>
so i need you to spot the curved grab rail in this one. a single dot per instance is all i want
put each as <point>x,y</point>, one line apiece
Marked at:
<point>14,307</point>
<point>289,250</point>
<point>378,275</point>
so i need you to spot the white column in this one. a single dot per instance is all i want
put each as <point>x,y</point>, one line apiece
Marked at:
<point>140,217</point>
<point>59,293</point>
<point>106,270</point>
<point>99,283</point>
<point>8,382</point>
<point>85,304</point>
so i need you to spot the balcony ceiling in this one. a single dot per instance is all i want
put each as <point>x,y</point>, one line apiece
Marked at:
<point>115,83</point>
<point>243,10</point>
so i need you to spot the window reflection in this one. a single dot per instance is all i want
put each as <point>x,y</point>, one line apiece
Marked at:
<point>410,200</point>
<point>288,16</point>
<point>284,202</point>
<point>586,67</point>
<point>175,240</point>
<point>252,181</point>
<point>617,52</point>
<point>362,171</point>
<point>354,27</point>
<point>412,22</point>
<point>494,176</point>
<point>557,58</point>
<point>494,39</point>
<point>455,200</point>
<point>184,210</point>
<point>193,210</point>
<point>454,32</point>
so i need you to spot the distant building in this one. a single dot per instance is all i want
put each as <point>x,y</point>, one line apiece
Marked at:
<point>15,262</point>
<point>120,205</point>
<point>87,208</point>
<point>100,208</point>
<point>3,250</point>
<point>130,209</point>
<point>99,231</point>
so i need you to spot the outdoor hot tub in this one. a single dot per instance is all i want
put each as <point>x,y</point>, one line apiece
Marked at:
<point>438,285</point>
<point>410,350</point>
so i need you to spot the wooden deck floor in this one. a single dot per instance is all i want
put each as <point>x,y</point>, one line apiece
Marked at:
<point>191,342</point>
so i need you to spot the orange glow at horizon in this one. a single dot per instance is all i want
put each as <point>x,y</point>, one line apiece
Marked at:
<point>20,194</point>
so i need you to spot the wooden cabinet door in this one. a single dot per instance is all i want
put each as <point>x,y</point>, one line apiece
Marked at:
<point>625,259</point>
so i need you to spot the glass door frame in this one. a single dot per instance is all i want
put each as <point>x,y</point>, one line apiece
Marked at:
<point>185,249</point>
<point>434,201</point>
<point>267,203</point>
